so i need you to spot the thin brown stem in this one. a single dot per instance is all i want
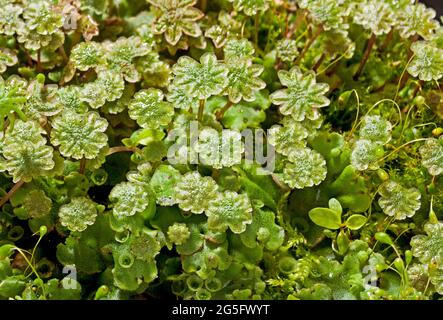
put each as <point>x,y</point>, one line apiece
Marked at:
<point>39,60</point>
<point>201,109</point>
<point>330,71</point>
<point>76,37</point>
<point>120,149</point>
<point>404,80</point>
<point>279,64</point>
<point>309,44</point>
<point>256,28</point>
<point>223,110</point>
<point>11,192</point>
<point>203,5</point>
<point>414,39</point>
<point>296,24</point>
<point>319,62</point>
<point>406,76</point>
<point>62,52</point>
<point>418,88</point>
<point>82,166</point>
<point>387,40</point>
<point>28,57</point>
<point>369,46</point>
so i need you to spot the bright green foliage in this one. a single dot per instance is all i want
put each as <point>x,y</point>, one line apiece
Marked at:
<point>78,214</point>
<point>288,138</point>
<point>250,7</point>
<point>432,156</point>
<point>243,81</point>
<point>182,149</point>
<point>35,204</point>
<point>263,229</point>
<point>328,218</point>
<point>305,168</point>
<point>287,50</point>
<point>328,13</point>
<point>194,192</point>
<point>429,250</point>
<point>429,247</point>
<point>178,233</point>
<point>374,15</point>
<point>149,109</point>
<point>366,154</point>
<point>40,100</point>
<point>79,135</point>
<point>71,98</point>
<point>25,151</point>
<point>375,129</point>
<point>427,63</point>
<point>398,201</point>
<point>417,19</point>
<point>41,17</point>
<point>10,19</point>
<point>331,218</point>
<point>176,18</point>
<point>235,49</point>
<point>200,80</point>
<point>163,184</point>
<point>87,55</point>
<point>219,149</point>
<point>303,96</point>
<point>129,198</point>
<point>56,291</point>
<point>84,248</point>
<point>181,99</point>
<point>121,53</point>
<point>229,210</point>
<point>7,59</point>
<point>129,270</point>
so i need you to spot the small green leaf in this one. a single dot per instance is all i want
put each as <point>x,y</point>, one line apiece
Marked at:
<point>6,250</point>
<point>303,96</point>
<point>229,209</point>
<point>200,80</point>
<point>78,214</point>
<point>149,109</point>
<point>383,238</point>
<point>326,218</point>
<point>79,135</point>
<point>356,221</point>
<point>145,136</point>
<point>399,265</point>
<point>335,205</point>
<point>163,183</point>
<point>342,242</point>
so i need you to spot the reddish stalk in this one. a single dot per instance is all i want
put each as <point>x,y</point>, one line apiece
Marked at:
<point>418,88</point>
<point>369,46</point>
<point>82,166</point>
<point>406,76</point>
<point>201,109</point>
<point>309,44</point>
<point>11,192</point>
<point>387,41</point>
<point>296,24</point>
<point>120,149</point>
<point>222,111</point>
<point>319,62</point>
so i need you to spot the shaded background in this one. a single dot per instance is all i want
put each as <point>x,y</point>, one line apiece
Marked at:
<point>436,4</point>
